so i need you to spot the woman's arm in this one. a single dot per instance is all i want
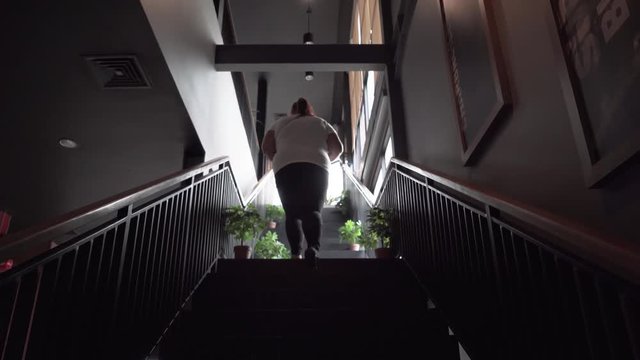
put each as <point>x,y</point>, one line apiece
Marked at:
<point>334,146</point>
<point>269,144</point>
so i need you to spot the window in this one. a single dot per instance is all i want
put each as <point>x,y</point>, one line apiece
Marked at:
<point>388,152</point>
<point>370,89</point>
<point>362,132</point>
<point>366,29</point>
<point>384,166</point>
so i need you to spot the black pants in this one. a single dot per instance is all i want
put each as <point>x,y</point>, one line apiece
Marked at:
<point>303,188</point>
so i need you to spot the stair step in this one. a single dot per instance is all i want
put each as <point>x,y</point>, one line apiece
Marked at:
<point>314,322</point>
<point>364,298</point>
<point>376,343</point>
<point>328,269</point>
<point>344,309</point>
<point>341,252</point>
<point>350,346</point>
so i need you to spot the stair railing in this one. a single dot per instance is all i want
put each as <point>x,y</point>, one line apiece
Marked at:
<point>111,290</point>
<point>361,197</point>
<point>513,281</point>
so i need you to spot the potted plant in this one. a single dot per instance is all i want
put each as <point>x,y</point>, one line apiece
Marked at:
<point>368,240</point>
<point>379,231</point>
<point>273,214</point>
<point>351,232</point>
<point>268,247</point>
<point>342,202</point>
<point>244,224</point>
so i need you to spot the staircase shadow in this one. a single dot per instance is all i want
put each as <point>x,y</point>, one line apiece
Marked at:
<point>283,309</point>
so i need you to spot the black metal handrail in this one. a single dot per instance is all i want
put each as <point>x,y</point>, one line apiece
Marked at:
<point>266,180</point>
<point>363,191</point>
<point>111,291</point>
<point>20,245</point>
<point>615,255</point>
<point>507,276</point>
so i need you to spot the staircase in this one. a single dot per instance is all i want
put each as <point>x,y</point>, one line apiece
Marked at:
<point>283,309</point>
<point>330,245</point>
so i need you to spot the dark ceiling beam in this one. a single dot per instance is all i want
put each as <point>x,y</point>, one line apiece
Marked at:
<point>394,85</point>
<point>401,32</point>
<point>261,120</point>
<point>271,58</point>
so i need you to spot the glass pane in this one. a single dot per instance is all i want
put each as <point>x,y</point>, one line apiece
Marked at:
<point>388,152</point>
<point>381,174</point>
<point>336,181</point>
<point>376,35</point>
<point>362,133</point>
<point>371,91</point>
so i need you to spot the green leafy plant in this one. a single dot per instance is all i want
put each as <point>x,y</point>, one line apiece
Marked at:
<point>343,202</point>
<point>369,240</point>
<point>379,222</point>
<point>270,248</point>
<point>274,213</point>
<point>244,224</point>
<point>351,232</point>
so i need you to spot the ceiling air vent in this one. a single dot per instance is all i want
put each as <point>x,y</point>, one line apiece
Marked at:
<point>118,72</point>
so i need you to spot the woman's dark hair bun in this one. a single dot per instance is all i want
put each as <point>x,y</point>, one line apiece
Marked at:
<point>302,107</point>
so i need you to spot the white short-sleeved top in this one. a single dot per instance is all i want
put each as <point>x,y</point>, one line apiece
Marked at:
<point>301,139</point>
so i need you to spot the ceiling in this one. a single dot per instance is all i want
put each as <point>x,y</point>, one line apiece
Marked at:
<point>285,22</point>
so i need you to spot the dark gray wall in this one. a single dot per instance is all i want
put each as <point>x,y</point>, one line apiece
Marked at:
<point>532,158</point>
<point>126,137</point>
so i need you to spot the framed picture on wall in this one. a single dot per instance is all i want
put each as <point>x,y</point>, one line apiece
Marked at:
<point>598,56</point>
<point>477,71</point>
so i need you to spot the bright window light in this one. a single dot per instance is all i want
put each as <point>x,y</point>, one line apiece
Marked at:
<point>388,152</point>
<point>371,91</point>
<point>381,174</point>
<point>336,181</point>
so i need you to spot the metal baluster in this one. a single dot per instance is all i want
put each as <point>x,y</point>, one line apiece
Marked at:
<point>169,305</point>
<point>163,264</point>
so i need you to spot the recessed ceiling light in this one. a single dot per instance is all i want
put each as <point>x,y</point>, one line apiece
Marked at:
<point>68,143</point>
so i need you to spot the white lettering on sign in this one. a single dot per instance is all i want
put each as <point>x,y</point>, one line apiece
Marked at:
<point>584,44</point>
<point>565,7</point>
<point>584,48</point>
<point>613,18</point>
<point>602,6</point>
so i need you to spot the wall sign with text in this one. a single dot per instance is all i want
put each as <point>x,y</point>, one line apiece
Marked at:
<point>600,73</point>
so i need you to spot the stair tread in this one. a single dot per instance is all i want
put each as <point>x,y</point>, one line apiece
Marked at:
<point>344,309</point>
<point>344,347</point>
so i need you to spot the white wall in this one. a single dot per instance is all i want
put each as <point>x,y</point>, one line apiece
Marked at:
<point>187,32</point>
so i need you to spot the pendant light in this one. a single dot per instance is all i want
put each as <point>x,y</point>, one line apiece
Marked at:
<point>307,39</point>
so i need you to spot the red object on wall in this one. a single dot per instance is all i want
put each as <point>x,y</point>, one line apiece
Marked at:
<point>7,265</point>
<point>5,221</point>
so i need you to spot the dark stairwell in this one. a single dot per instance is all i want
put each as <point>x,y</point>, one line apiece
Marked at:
<point>148,277</point>
<point>283,309</point>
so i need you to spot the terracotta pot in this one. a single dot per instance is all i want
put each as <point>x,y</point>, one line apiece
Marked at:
<point>241,251</point>
<point>383,253</point>
<point>354,247</point>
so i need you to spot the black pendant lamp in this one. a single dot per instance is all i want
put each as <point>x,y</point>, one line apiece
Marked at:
<point>307,39</point>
